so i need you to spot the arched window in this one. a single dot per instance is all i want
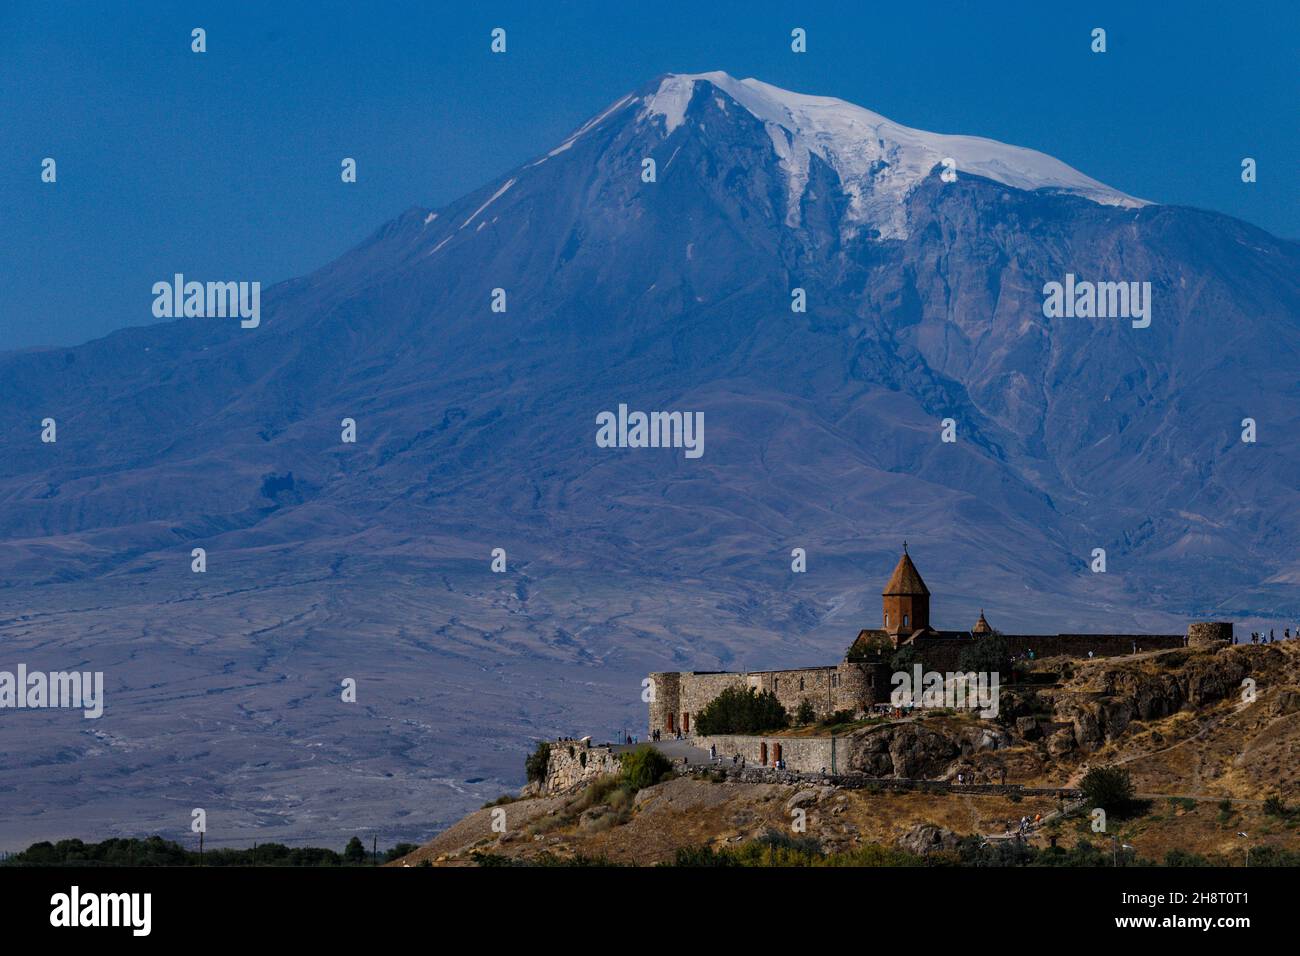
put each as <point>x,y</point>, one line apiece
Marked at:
<point>886,619</point>
<point>904,620</point>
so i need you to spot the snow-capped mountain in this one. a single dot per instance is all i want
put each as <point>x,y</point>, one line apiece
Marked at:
<point>878,162</point>
<point>476,430</point>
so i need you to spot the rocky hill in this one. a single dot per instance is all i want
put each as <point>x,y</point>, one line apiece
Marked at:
<point>1204,759</point>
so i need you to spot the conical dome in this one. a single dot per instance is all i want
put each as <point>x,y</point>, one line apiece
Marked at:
<point>905,579</point>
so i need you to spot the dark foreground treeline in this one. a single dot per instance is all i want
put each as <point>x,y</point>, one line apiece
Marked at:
<point>155,851</point>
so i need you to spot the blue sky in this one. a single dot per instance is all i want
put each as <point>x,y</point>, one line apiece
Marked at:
<point>226,164</point>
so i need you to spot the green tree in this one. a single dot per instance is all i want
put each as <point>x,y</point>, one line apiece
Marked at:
<point>1109,788</point>
<point>399,851</point>
<point>644,767</point>
<point>535,765</point>
<point>355,851</point>
<point>741,710</point>
<point>805,714</point>
<point>1275,806</point>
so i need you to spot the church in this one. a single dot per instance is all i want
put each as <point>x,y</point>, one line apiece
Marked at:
<point>863,677</point>
<point>905,607</point>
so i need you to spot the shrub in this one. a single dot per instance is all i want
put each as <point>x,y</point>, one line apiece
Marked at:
<point>805,714</point>
<point>644,767</point>
<point>1275,806</point>
<point>399,851</point>
<point>1109,788</point>
<point>535,765</point>
<point>740,710</point>
<point>1183,858</point>
<point>598,791</point>
<point>839,717</point>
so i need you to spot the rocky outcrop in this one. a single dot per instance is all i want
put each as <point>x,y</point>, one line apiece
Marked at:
<point>916,751</point>
<point>1122,694</point>
<point>926,838</point>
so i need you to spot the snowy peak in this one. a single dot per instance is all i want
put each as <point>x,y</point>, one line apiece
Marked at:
<point>879,162</point>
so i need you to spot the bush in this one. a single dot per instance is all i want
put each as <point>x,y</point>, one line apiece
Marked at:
<point>740,710</point>
<point>839,717</point>
<point>399,851</point>
<point>535,765</point>
<point>805,714</point>
<point>644,767</point>
<point>1275,806</point>
<point>1109,788</point>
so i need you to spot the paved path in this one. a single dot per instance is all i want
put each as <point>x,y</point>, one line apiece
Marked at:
<point>674,750</point>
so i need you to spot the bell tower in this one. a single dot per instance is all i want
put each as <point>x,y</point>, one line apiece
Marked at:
<point>906,601</point>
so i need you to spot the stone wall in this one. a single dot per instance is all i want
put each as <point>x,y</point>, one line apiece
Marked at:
<point>851,686</point>
<point>944,653</point>
<point>573,764</point>
<point>801,754</point>
<point>1209,633</point>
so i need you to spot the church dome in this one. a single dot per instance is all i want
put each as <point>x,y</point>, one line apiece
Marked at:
<point>905,580</point>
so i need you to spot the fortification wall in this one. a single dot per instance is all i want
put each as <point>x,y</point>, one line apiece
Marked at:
<point>817,685</point>
<point>696,691</point>
<point>573,764</point>
<point>801,754</point>
<point>1209,633</point>
<point>1101,645</point>
<point>944,653</point>
<point>679,697</point>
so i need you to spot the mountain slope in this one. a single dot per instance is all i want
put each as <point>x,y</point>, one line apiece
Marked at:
<point>476,430</point>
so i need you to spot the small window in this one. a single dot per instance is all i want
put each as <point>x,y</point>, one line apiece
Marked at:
<point>801,683</point>
<point>776,683</point>
<point>904,620</point>
<point>835,680</point>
